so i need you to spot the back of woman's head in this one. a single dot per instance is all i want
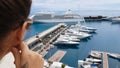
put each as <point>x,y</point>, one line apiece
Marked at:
<point>13,14</point>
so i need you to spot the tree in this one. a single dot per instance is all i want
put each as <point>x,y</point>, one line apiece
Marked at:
<point>63,66</point>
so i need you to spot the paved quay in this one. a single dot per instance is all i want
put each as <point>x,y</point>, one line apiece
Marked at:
<point>57,56</point>
<point>44,33</point>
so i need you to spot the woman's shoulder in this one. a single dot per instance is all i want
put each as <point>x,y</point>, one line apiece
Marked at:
<point>7,61</point>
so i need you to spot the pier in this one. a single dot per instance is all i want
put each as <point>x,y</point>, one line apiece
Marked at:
<point>43,34</point>
<point>105,57</point>
<point>57,56</point>
<point>57,35</point>
<point>41,42</point>
<point>105,60</point>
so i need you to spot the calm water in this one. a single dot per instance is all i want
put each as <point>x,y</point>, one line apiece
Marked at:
<point>106,38</point>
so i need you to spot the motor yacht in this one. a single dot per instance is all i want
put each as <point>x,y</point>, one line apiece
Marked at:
<point>65,42</point>
<point>80,35</point>
<point>93,60</point>
<point>85,64</point>
<point>69,38</point>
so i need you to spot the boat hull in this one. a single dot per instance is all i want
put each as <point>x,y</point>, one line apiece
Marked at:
<point>56,20</point>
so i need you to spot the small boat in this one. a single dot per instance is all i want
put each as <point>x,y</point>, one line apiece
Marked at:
<point>85,64</point>
<point>95,54</point>
<point>93,60</point>
<point>116,56</point>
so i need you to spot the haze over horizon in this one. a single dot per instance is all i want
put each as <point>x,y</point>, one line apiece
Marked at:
<point>59,5</point>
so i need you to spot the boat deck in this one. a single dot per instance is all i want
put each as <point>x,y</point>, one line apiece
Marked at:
<point>57,56</point>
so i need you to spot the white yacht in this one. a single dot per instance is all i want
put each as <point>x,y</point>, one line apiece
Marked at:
<point>82,28</point>
<point>73,37</point>
<point>80,35</point>
<point>69,38</point>
<point>93,60</point>
<point>95,54</point>
<point>85,64</point>
<point>65,42</point>
<point>51,17</point>
<point>117,56</point>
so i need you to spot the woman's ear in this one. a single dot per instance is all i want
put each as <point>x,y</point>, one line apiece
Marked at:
<point>21,31</point>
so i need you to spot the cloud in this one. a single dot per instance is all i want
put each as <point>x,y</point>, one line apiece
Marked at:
<point>76,4</point>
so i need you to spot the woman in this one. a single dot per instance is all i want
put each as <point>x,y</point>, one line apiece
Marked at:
<point>13,14</point>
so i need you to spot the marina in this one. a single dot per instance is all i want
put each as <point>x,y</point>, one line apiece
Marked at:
<point>80,51</point>
<point>37,43</point>
<point>33,39</point>
<point>60,33</point>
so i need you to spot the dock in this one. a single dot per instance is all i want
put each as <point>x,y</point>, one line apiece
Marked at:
<point>105,60</point>
<point>41,42</point>
<point>57,35</point>
<point>57,56</point>
<point>43,34</point>
<point>104,57</point>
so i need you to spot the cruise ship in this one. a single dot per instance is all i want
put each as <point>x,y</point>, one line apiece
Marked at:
<point>51,17</point>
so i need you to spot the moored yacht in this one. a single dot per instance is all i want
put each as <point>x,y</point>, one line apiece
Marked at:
<point>85,64</point>
<point>69,38</point>
<point>80,35</point>
<point>82,28</point>
<point>116,56</point>
<point>65,42</point>
<point>93,60</point>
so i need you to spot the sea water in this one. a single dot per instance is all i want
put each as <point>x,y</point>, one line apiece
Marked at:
<point>106,38</point>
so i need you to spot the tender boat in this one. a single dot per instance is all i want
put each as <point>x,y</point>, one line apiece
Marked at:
<point>85,64</point>
<point>116,56</point>
<point>93,60</point>
<point>95,54</point>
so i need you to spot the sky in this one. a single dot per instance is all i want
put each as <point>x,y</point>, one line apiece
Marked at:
<point>76,4</point>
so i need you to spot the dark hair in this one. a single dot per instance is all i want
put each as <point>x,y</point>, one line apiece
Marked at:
<point>13,13</point>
